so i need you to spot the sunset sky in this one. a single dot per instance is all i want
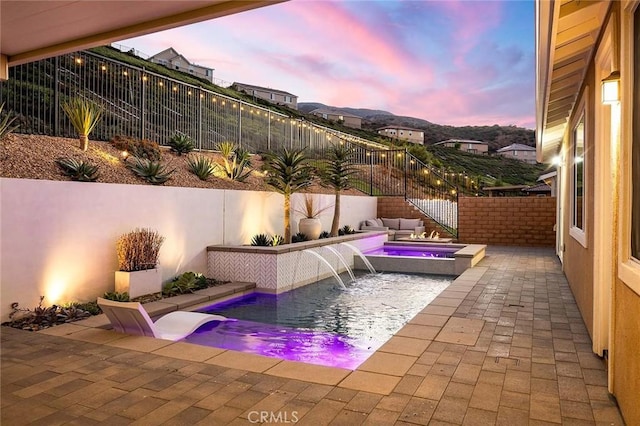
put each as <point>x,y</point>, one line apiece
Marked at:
<point>449,62</point>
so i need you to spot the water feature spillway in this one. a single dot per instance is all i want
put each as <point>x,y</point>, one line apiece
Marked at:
<point>323,260</point>
<point>341,259</point>
<point>362,256</point>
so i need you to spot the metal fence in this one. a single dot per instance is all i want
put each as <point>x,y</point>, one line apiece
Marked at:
<point>147,105</point>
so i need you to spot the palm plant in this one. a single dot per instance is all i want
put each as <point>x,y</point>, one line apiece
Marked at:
<point>335,173</point>
<point>84,116</point>
<point>6,124</point>
<point>287,173</point>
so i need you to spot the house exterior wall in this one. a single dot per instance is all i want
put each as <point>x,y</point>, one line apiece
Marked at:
<point>526,156</point>
<point>164,58</point>
<point>411,136</point>
<point>474,148</point>
<point>513,221</point>
<point>273,96</point>
<point>58,238</point>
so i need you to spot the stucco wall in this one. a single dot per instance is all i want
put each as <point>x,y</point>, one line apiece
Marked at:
<point>58,238</point>
<point>626,380</point>
<point>513,221</point>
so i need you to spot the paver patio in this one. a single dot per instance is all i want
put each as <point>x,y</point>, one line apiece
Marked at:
<point>505,345</point>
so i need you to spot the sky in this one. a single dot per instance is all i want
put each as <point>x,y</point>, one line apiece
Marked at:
<point>449,62</point>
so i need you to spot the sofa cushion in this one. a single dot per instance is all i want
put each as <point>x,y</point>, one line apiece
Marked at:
<point>409,224</point>
<point>379,221</point>
<point>391,223</point>
<point>371,222</point>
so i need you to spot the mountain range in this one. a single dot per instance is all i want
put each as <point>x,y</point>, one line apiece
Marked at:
<point>496,136</point>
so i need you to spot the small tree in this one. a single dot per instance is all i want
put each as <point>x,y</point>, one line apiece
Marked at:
<point>335,173</point>
<point>287,172</point>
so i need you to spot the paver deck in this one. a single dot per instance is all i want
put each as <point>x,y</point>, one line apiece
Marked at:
<point>505,344</point>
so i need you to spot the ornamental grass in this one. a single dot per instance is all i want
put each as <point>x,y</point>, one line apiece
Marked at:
<point>138,250</point>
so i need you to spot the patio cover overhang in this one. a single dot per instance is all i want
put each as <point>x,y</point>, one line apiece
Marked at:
<point>566,35</point>
<point>33,30</point>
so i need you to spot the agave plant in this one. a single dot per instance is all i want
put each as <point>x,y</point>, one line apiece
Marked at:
<point>6,126</point>
<point>84,116</point>
<point>153,172</point>
<point>287,173</point>
<point>299,237</point>
<point>79,170</point>
<point>261,240</point>
<point>116,297</point>
<point>277,240</point>
<point>201,166</point>
<point>234,162</point>
<point>181,144</point>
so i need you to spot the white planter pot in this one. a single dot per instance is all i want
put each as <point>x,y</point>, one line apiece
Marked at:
<point>139,283</point>
<point>311,227</point>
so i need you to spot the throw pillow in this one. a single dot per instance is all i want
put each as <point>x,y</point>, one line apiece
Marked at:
<point>379,222</point>
<point>371,222</point>
<point>409,224</point>
<point>391,223</point>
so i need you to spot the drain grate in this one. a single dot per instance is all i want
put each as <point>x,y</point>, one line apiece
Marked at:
<point>513,304</point>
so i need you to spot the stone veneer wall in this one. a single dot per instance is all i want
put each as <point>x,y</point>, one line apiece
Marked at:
<point>282,268</point>
<point>512,221</point>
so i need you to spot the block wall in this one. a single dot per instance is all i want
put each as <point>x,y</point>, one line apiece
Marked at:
<point>398,207</point>
<point>512,221</point>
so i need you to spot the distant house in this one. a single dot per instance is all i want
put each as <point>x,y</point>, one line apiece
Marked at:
<point>470,146</point>
<point>347,119</point>
<point>278,97</point>
<point>170,58</point>
<point>403,134</point>
<point>539,190</point>
<point>518,151</point>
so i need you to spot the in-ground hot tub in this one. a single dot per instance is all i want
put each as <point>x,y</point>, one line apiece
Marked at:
<point>421,258</point>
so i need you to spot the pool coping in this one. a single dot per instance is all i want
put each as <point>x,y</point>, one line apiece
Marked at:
<point>379,374</point>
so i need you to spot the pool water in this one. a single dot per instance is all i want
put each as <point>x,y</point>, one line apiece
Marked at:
<point>321,323</point>
<point>430,252</point>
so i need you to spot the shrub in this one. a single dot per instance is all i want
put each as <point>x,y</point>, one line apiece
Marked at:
<point>84,115</point>
<point>324,234</point>
<point>79,170</point>
<point>299,237</point>
<point>201,166</point>
<point>90,307</point>
<point>185,283</point>
<point>141,148</point>
<point>116,297</point>
<point>234,162</point>
<point>153,172</point>
<point>261,240</point>
<point>6,124</point>
<point>346,230</point>
<point>181,144</point>
<point>138,250</point>
<point>44,316</point>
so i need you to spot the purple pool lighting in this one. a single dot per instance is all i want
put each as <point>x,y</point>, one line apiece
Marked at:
<point>414,251</point>
<point>310,346</point>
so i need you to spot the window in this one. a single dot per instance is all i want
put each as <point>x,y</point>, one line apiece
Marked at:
<point>635,148</point>
<point>578,187</point>
<point>287,99</point>
<point>272,96</point>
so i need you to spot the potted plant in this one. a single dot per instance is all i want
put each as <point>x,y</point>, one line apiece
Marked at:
<point>310,224</point>
<point>84,115</point>
<point>137,262</point>
<point>287,173</point>
<point>335,173</point>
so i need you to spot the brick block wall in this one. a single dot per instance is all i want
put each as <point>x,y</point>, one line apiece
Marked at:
<point>513,221</point>
<point>398,207</point>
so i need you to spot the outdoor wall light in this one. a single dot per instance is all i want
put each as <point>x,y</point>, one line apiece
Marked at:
<point>611,89</point>
<point>557,160</point>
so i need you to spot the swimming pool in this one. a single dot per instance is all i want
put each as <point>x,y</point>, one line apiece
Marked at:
<point>320,323</point>
<point>414,251</point>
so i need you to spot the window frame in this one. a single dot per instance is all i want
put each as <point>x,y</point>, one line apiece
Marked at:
<point>577,233</point>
